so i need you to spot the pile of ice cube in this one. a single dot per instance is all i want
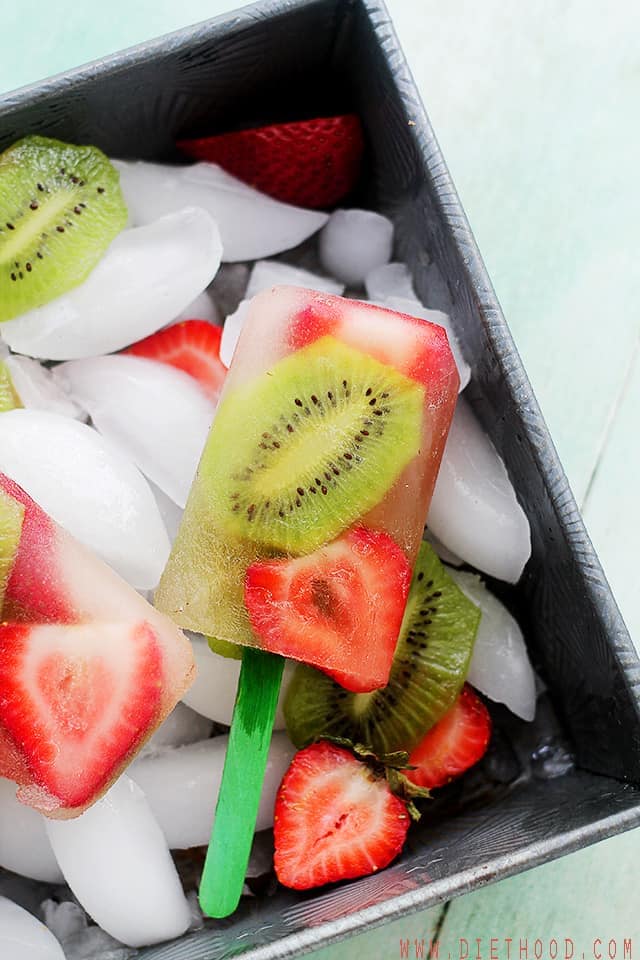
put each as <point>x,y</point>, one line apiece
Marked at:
<point>108,445</point>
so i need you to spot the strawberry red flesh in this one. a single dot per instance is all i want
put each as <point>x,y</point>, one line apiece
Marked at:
<point>310,163</point>
<point>34,589</point>
<point>454,744</point>
<point>192,346</point>
<point>334,819</point>
<point>77,701</point>
<point>339,608</point>
<point>417,348</point>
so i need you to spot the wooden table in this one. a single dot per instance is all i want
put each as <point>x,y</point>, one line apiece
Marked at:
<point>537,108</point>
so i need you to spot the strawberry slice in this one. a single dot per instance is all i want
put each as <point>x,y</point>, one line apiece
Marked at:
<point>30,571</point>
<point>339,608</point>
<point>417,348</point>
<point>310,163</point>
<point>192,346</point>
<point>77,701</point>
<point>334,820</point>
<point>454,744</point>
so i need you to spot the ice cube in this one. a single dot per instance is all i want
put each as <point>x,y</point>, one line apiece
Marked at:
<point>116,861</point>
<point>274,273</point>
<point>23,937</point>
<point>203,307</point>
<point>213,692</point>
<point>146,277</point>
<point>389,280</point>
<point>156,415</point>
<point>231,332</point>
<point>182,726</point>
<point>355,242</point>
<point>474,509</point>
<point>182,783</point>
<point>38,390</point>
<point>500,666</point>
<point>252,225</point>
<point>85,483</point>
<point>24,845</point>
<point>415,309</point>
<point>81,941</point>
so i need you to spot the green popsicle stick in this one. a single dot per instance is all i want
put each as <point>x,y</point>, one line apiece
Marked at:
<point>244,766</point>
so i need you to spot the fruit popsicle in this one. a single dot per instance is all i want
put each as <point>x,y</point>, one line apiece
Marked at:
<point>88,669</point>
<point>305,517</point>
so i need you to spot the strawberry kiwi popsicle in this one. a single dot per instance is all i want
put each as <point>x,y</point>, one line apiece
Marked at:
<point>306,515</point>
<point>88,669</point>
<point>305,518</point>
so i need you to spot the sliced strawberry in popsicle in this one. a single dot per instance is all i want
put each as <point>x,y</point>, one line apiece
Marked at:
<point>340,608</point>
<point>77,700</point>
<point>88,669</point>
<point>33,580</point>
<point>192,346</point>
<point>417,348</point>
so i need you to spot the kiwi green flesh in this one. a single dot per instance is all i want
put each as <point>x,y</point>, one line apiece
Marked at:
<point>202,585</point>
<point>11,517</point>
<point>305,449</point>
<point>9,398</point>
<point>428,671</point>
<point>60,208</point>
<point>225,649</point>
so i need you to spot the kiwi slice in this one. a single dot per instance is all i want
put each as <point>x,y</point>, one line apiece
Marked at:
<point>11,517</point>
<point>225,649</point>
<point>202,585</point>
<point>9,398</point>
<point>429,668</point>
<point>60,208</point>
<point>300,453</point>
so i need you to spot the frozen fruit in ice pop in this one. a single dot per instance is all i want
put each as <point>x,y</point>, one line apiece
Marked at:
<point>315,480</point>
<point>9,398</point>
<point>328,603</point>
<point>88,668</point>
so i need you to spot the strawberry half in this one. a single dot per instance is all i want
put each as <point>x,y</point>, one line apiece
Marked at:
<point>334,819</point>
<point>77,701</point>
<point>454,744</point>
<point>192,346</point>
<point>310,163</point>
<point>339,608</point>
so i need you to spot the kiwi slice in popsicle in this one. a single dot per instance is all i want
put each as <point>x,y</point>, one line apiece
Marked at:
<point>224,648</point>
<point>60,208</point>
<point>11,517</point>
<point>429,668</point>
<point>310,446</point>
<point>9,398</point>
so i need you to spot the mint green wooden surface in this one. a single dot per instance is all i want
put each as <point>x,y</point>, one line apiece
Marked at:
<point>536,106</point>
